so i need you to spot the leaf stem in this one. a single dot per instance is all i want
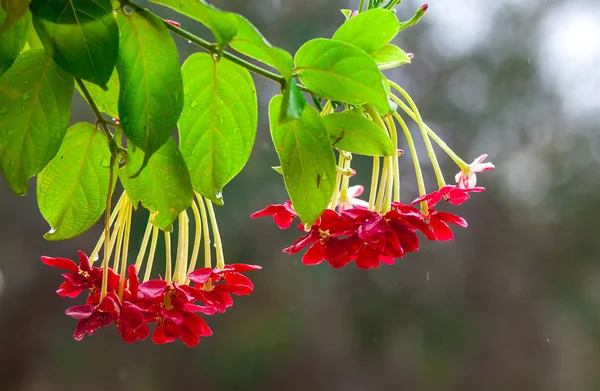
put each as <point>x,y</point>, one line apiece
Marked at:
<point>99,118</point>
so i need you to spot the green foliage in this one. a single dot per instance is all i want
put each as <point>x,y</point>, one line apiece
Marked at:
<point>14,11</point>
<point>106,100</point>
<point>80,35</point>
<point>369,30</point>
<point>342,72</point>
<point>307,160</point>
<point>356,134</point>
<point>35,103</point>
<point>12,41</point>
<point>222,24</point>
<point>390,56</point>
<point>292,104</point>
<point>163,186</point>
<point>218,125</point>
<point>72,190</point>
<point>151,94</point>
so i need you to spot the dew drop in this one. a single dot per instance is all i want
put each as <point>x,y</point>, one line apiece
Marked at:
<point>12,163</point>
<point>186,90</point>
<point>189,41</point>
<point>26,95</point>
<point>324,176</point>
<point>3,110</point>
<point>105,162</point>
<point>194,104</point>
<point>52,230</point>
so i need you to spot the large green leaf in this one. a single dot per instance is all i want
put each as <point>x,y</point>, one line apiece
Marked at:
<point>14,11</point>
<point>151,94</point>
<point>81,35</point>
<point>163,186</point>
<point>107,101</point>
<point>307,160</point>
<point>342,72</point>
<point>293,102</point>
<point>218,125</point>
<point>35,105</point>
<point>250,42</point>
<point>369,30</point>
<point>12,40</point>
<point>356,134</point>
<point>222,24</point>
<point>73,188</point>
<point>390,56</point>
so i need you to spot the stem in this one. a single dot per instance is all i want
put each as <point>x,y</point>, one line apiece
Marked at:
<point>362,6</point>
<point>207,252</point>
<point>374,178</point>
<point>107,230</point>
<point>394,135</point>
<point>125,252</point>
<point>382,185</point>
<point>168,267</point>
<point>415,159</point>
<point>430,152</point>
<point>215,229</point>
<point>144,246</point>
<point>97,113</point>
<point>197,238</point>
<point>100,243</point>
<point>151,254</point>
<point>338,179</point>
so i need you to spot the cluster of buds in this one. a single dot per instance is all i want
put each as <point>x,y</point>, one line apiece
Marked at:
<point>172,304</point>
<point>382,229</point>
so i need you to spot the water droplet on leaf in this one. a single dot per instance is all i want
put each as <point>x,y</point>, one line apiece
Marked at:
<point>125,120</point>
<point>26,95</point>
<point>194,104</point>
<point>3,110</point>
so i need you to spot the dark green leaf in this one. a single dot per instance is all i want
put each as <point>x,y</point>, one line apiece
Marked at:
<point>342,72</point>
<point>307,160</point>
<point>356,134</point>
<point>250,42</point>
<point>14,10</point>
<point>390,56</point>
<point>80,35</point>
<point>218,125</point>
<point>35,105</point>
<point>73,188</point>
<point>369,30</point>
<point>222,24</point>
<point>293,102</point>
<point>151,94</point>
<point>163,186</point>
<point>12,40</point>
<point>107,101</point>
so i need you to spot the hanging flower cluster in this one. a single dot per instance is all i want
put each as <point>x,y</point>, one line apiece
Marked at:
<point>173,304</point>
<point>382,229</point>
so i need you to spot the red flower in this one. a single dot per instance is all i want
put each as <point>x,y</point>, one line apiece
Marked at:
<point>215,286</point>
<point>283,215</point>
<point>438,221</point>
<point>454,195</point>
<point>82,277</point>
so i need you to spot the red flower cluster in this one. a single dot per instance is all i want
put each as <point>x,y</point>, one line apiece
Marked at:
<point>368,237</point>
<point>172,307</point>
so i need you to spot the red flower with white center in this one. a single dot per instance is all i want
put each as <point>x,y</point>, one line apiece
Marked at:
<point>349,200</point>
<point>467,179</point>
<point>283,215</point>
<point>217,285</point>
<point>454,195</point>
<point>82,277</point>
<point>438,221</point>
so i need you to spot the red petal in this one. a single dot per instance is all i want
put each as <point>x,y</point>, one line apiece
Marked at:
<point>441,230</point>
<point>159,337</point>
<point>201,276</point>
<point>451,218</point>
<point>268,211</point>
<point>131,317</point>
<point>80,311</point>
<point>84,262</point>
<point>367,258</point>
<point>314,255</point>
<point>373,229</point>
<point>242,267</point>
<point>62,263</point>
<point>310,238</point>
<point>153,289</point>
<point>283,220</point>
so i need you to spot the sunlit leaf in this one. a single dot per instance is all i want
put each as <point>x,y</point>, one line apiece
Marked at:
<point>163,186</point>
<point>307,160</point>
<point>73,188</point>
<point>341,72</point>
<point>107,101</point>
<point>369,30</point>
<point>80,35</point>
<point>151,92</point>
<point>12,40</point>
<point>218,125</point>
<point>390,56</point>
<point>35,105</point>
<point>356,134</point>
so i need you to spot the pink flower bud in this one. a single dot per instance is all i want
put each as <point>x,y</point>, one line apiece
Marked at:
<point>353,14</point>
<point>424,7</point>
<point>173,22</point>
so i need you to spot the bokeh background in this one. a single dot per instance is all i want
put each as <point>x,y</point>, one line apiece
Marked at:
<point>512,304</point>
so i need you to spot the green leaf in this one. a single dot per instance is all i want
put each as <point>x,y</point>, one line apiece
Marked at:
<point>292,104</point>
<point>369,30</point>
<point>222,24</point>
<point>72,190</point>
<point>218,125</point>
<point>15,10</point>
<point>356,134</point>
<point>163,186</point>
<point>151,94</point>
<point>338,71</point>
<point>250,42</point>
<point>307,160</point>
<point>33,40</point>
<point>107,101</point>
<point>81,36</point>
<point>390,56</point>
<point>35,105</point>
<point>12,41</point>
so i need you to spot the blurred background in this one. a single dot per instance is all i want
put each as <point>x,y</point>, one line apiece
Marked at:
<point>513,303</point>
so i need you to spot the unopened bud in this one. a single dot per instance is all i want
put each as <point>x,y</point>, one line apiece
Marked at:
<point>424,7</point>
<point>410,55</point>
<point>353,14</point>
<point>173,22</point>
<point>400,152</point>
